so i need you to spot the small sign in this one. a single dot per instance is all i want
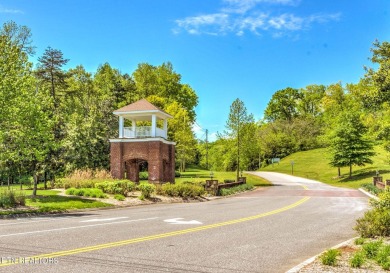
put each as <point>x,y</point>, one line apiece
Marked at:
<point>275,160</point>
<point>292,162</point>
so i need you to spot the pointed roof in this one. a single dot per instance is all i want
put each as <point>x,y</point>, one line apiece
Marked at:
<point>141,108</point>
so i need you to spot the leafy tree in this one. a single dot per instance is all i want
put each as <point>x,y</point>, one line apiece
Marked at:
<point>180,131</point>
<point>283,105</point>
<point>237,121</point>
<point>380,77</point>
<point>19,36</point>
<point>162,81</point>
<point>349,146</point>
<point>25,129</point>
<point>309,104</point>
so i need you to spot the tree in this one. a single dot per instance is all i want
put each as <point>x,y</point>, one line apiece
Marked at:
<point>309,104</point>
<point>349,146</point>
<point>283,105</point>
<point>237,121</point>
<point>25,129</point>
<point>19,36</point>
<point>50,71</point>
<point>180,131</point>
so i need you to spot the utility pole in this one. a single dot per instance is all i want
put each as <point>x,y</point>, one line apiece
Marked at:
<point>207,149</point>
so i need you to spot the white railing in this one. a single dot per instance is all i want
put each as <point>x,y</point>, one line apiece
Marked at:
<point>143,131</point>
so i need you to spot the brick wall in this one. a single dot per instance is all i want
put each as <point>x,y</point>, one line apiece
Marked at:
<point>160,157</point>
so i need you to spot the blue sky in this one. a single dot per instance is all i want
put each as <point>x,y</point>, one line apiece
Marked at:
<point>225,49</point>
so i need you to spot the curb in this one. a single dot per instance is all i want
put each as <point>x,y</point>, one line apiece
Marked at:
<point>296,269</point>
<point>369,194</point>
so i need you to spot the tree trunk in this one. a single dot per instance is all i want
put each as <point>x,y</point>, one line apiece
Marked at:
<point>339,171</point>
<point>350,170</point>
<point>45,180</point>
<point>8,182</point>
<point>35,184</point>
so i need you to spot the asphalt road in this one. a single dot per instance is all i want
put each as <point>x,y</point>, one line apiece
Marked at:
<point>267,230</point>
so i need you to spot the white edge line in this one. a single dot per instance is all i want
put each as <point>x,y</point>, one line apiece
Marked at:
<point>76,227</point>
<point>369,194</point>
<point>296,269</point>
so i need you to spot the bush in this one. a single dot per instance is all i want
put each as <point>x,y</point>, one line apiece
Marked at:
<point>376,222</point>
<point>143,176</point>
<point>119,197</point>
<point>146,190</point>
<point>95,193</point>
<point>330,257</point>
<point>383,256</point>
<point>184,190</point>
<point>229,180</point>
<point>357,260</point>
<point>237,189</point>
<point>177,174</point>
<point>360,241</point>
<point>372,248</point>
<point>11,198</point>
<point>122,187</point>
<point>371,188</point>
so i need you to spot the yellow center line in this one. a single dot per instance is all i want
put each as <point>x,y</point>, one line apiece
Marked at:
<point>157,236</point>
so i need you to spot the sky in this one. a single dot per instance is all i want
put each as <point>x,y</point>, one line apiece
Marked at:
<point>224,49</point>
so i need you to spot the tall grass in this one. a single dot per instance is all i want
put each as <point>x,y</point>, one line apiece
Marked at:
<point>11,198</point>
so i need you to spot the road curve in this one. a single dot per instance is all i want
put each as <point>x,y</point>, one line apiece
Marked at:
<point>266,230</point>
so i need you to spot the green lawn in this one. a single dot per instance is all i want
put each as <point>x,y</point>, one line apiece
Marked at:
<point>196,175</point>
<point>314,164</point>
<point>50,201</point>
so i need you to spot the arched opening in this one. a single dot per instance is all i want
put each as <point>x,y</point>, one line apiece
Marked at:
<point>136,169</point>
<point>143,170</point>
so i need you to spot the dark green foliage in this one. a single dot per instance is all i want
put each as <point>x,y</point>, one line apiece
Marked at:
<point>349,145</point>
<point>237,189</point>
<point>177,174</point>
<point>330,257</point>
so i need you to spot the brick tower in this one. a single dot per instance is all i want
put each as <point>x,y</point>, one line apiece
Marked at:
<point>138,144</point>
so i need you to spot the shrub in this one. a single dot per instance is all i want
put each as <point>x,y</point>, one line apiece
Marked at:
<point>119,197</point>
<point>95,193</point>
<point>357,260</point>
<point>11,198</point>
<point>143,176</point>
<point>117,187</point>
<point>383,255</point>
<point>237,189</point>
<point>372,248</point>
<point>183,190</point>
<point>229,180</point>
<point>177,174</point>
<point>330,257</point>
<point>360,241</point>
<point>371,188</point>
<point>146,189</point>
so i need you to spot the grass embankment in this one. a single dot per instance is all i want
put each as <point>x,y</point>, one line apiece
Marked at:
<point>314,164</point>
<point>50,201</point>
<point>196,175</point>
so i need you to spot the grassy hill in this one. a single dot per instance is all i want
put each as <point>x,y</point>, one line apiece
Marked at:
<point>314,164</point>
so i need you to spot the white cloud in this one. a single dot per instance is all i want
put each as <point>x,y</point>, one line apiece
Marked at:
<point>7,10</point>
<point>242,16</point>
